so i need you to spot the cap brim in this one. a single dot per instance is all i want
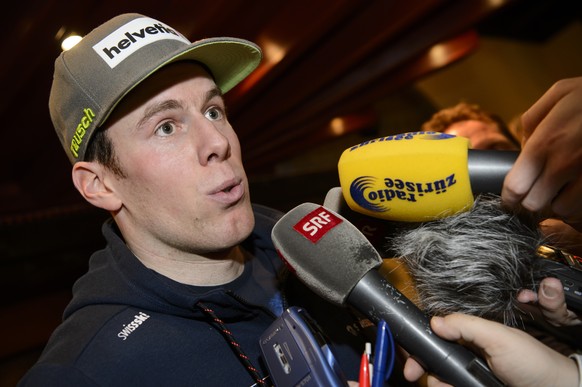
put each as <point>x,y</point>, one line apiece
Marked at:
<point>230,60</point>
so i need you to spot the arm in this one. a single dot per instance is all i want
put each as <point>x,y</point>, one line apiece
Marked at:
<point>515,357</point>
<point>547,176</point>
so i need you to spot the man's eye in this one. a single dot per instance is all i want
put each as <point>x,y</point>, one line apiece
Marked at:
<point>165,129</point>
<point>213,114</point>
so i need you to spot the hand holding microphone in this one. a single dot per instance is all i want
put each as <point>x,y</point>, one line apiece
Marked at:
<point>335,260</point>
<point>518,358</point>
<point>390,185</point>
<point>548,174</point>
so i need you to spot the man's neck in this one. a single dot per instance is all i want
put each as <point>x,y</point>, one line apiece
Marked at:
<point>201,271</point>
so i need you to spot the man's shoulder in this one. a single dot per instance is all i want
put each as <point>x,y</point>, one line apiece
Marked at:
<point>98,344</point>
<point>67,348</point>
<point>80,329</point>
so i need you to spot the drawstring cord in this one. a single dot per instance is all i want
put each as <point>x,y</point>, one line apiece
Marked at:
<point>234,344</point>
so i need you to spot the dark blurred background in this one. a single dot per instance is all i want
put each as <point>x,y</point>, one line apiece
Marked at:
<point>335,72</point>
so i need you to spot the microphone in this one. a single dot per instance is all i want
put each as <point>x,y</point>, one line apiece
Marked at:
<point>419,176</point>
<point>377,231</point>
<point>330,255</point>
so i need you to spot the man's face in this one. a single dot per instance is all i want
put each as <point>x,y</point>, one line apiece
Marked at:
<point>185,188</point>
<point>481,135</point>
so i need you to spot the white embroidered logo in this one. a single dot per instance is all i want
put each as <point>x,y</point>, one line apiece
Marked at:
<point>130,37</point>
<point>132,326</point>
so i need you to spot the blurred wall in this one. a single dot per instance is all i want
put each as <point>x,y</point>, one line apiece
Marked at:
<point>504,76</point>
<point>507,76</point>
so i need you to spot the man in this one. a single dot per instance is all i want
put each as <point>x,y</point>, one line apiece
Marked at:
<point>189,278</point>
<point>483,129</point>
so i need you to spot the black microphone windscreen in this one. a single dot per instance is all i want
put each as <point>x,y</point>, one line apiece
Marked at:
<point>324,250</point>
<point>474,262</point>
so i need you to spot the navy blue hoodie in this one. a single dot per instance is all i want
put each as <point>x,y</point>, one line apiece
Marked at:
<point>127,325</point>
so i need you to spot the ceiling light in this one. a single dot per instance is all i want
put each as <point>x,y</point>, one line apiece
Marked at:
<point>70,41</point>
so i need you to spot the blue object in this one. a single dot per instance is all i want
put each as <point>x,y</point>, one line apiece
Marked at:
<point>384,353</point>
<point>297,353</point>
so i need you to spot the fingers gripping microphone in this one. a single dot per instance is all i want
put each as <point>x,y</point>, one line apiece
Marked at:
<point>335,260</point>
<point>419,176</point>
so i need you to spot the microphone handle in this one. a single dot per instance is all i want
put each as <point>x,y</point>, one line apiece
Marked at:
<point>487,169</point>
<point>452,363</point>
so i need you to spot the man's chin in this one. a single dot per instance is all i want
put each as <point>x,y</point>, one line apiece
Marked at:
<point>241,226</point>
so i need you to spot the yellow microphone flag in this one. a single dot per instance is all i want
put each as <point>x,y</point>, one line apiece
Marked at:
<point>408,177</point>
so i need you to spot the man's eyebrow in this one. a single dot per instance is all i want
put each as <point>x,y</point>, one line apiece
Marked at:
<point>174,104</point>
<point>214,92</point>
<point>159,107</point>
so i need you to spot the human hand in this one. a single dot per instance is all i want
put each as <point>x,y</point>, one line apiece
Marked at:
<point>552,302</point>
<point>515,357</point>
<point>547,176</point>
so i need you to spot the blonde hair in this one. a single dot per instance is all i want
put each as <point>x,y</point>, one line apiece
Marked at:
<point>464,111</point>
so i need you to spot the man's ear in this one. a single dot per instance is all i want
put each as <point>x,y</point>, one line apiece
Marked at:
<point>90,180</point>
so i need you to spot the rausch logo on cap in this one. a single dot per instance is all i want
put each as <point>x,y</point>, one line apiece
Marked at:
<point>130,37</point>
<point>80,131</point>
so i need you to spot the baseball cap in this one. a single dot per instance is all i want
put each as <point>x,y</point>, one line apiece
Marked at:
<point>91,78</point>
